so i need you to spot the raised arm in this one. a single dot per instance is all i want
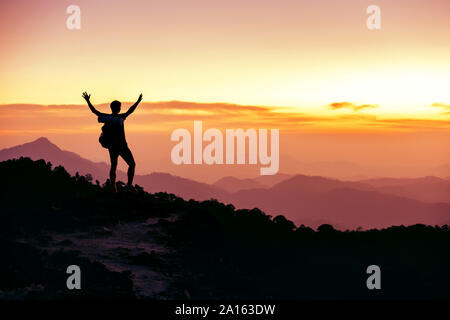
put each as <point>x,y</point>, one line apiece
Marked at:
<point>86,97</point>
<point>133,107</point>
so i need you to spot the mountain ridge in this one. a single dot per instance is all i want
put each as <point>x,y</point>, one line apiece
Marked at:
<point>305,199</point>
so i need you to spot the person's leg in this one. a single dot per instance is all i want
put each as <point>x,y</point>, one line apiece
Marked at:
<point>113,156</point>
<point>128,157</point>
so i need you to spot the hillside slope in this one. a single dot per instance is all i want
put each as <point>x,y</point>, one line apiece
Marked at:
<point>49,218</point>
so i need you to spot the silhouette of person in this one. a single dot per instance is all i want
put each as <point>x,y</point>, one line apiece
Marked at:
<point>117,145</point>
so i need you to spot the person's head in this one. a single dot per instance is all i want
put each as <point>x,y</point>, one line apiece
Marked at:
<point>115,106</point>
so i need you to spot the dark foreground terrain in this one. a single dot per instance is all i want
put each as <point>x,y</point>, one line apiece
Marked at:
<point>157,246</point>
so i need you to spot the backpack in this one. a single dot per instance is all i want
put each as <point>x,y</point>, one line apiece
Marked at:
<point>106,139</point>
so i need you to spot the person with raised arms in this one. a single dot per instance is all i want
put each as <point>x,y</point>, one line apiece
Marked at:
<point>113,137</point>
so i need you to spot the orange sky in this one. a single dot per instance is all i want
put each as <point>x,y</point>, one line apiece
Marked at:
<point>304,54</point>
<point>375,147</point>
<point>313,64</point>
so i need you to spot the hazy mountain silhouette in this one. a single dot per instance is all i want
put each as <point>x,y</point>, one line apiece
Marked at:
<point>315,200</point>
<point>335,169</point>
<point>42,148</point>
<point>306,183</point>
<point>427,189</point>
<point>270,181</point>
<point>232,184</point>
<point>185,188</point>
<point>309,200</point>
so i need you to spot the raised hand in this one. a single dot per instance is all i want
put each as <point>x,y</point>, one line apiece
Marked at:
<point>86,96</point>
<point>133,107</point>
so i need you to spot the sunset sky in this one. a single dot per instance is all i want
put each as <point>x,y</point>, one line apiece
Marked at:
<point>302,66</point>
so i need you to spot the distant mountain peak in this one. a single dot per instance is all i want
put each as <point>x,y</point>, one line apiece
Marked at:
<point>43,148</point>
<point>42,141</point>
<point>41,144</point>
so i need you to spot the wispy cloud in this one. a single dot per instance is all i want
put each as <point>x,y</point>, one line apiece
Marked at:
<point>350,105</point>
<point>441,105</point>
<point>166,116</point>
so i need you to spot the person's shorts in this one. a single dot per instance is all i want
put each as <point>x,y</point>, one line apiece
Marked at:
<point>123,151</point>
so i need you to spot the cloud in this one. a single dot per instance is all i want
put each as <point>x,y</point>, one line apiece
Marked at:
<point>350,105</point>
<point>441,105</point>
<point>414,124</point>
<point>166,116</point>
<point>155,116</point>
